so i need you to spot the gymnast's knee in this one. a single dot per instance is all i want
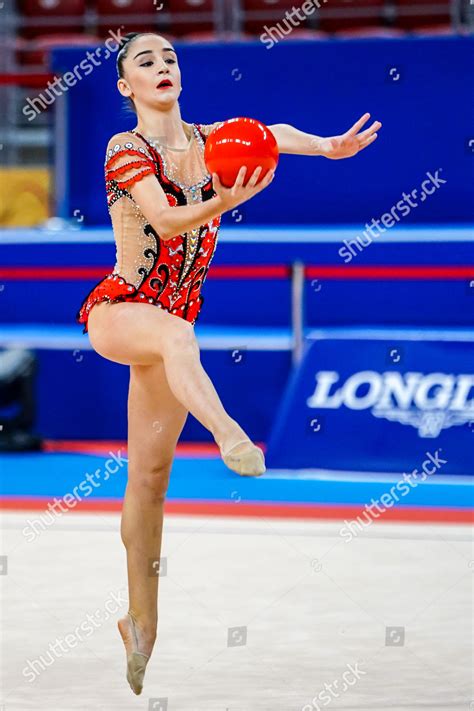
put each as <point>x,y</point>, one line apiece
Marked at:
<point>180,338</point>
<point>151,482</point>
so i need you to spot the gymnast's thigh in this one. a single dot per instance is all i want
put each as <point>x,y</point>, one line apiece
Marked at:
<point>136,334</point>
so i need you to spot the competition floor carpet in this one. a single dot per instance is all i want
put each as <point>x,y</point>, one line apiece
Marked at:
<point>271,597</point>
<point>254,615</point>
<point>92,476</point>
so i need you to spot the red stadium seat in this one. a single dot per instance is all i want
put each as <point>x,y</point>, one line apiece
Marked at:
<point>35,52</point>
<point>218,37</point>
<point>258,14</point>
<point>438,30</point>
<point>190,16</point>
<point>134,15</point>
<point>47,17</point>
<point>411,14</point>
<point>202,37</point>
<point>305,34</point>
<point>338,15</point>
<point>370,32</point>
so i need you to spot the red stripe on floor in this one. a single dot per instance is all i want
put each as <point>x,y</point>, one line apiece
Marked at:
<point>259,509</point>
<point>99,448</point>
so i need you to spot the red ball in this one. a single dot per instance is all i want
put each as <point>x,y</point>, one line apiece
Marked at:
<point>238,142</point>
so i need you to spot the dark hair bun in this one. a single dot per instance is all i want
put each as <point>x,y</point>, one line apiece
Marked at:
<point>128,37</point>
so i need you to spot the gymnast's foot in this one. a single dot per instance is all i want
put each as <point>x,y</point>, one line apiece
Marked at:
<point>138,646</point>
<point>243,457</point>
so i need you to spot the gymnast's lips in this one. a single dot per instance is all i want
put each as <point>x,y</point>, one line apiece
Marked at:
<point>164,84</point>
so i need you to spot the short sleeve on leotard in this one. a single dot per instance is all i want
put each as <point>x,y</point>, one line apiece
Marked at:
<point>127,160</point>
<point>206,128</point>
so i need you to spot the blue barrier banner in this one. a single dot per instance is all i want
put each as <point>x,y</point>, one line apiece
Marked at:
<point>378,405</point>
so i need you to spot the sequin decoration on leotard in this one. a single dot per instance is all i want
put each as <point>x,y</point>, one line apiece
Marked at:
<point>166,273</point>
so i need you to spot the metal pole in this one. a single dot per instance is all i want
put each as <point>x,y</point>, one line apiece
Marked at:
<point>297,311</point>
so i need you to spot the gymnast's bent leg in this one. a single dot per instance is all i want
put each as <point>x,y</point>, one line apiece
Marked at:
<point>132,333</point>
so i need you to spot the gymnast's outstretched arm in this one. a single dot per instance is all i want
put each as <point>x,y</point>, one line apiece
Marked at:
<point>348,144</point>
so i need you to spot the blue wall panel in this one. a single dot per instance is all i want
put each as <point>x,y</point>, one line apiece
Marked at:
<point>83,396</point>
<point>320,87</point>
<point>266,302</point>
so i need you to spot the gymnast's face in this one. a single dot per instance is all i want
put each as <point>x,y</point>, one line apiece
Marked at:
<point>151,73</point>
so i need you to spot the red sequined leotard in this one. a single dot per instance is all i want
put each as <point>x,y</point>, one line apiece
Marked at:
<point>166,273</point>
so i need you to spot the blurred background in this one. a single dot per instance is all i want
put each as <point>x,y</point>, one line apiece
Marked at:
<point>339,307</point>
<point>337,327</point>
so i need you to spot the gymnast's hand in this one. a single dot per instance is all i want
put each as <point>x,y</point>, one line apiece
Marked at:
<point>239,193</point>
<point>351,142</point>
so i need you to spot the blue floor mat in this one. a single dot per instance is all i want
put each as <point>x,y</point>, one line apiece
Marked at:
<point>201,478</point>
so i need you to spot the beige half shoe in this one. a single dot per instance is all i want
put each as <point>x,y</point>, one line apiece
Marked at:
<point>136,661</point>
<point>249,462</point>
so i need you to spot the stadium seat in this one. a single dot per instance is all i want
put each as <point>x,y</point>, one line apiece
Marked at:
<point>370,32</point>
<point>190,16</point>
<point>258,14</point>
<point>411,14</point>
<point>438,31</point>
<point>47,17</point>
<point>202,37</point>
<point>214,37</point>
<point>308,35</point>
<point>35,52</point>
<point>339,15</point>
<point>133,15</point>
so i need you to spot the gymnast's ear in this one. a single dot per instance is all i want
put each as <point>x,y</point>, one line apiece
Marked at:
<point>124,87</point>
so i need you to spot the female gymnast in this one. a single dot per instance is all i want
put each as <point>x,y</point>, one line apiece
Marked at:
<point>165,210</point>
